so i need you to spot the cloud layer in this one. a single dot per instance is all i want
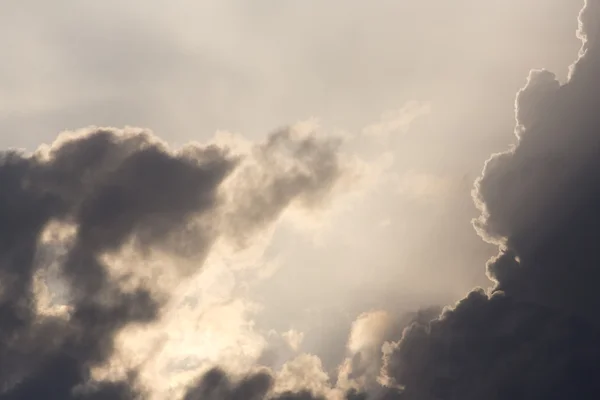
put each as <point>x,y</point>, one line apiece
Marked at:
<point>73,213</point>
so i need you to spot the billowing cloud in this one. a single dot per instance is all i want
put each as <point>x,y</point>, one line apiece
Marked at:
<point>535,334</point>
<point>84,221</point>
<point>113,187</point>
<point>100,229</point>
<point>288,167</point>
<point>217,385</point>
<point>302,376</point>
<point>370,337</point>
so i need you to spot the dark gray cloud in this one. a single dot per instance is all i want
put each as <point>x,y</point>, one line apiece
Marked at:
<point>497,348</point>
<point>535,335</point>
<point>217,385</point>
<point>288,167</point>
<point>371,334</point>
<point>115,188</point>
<point>541,198</point>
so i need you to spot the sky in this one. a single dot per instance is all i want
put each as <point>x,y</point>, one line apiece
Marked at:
<point>296,199</point>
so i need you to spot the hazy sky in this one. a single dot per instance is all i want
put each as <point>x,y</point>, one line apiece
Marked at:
<point>422,92</point>
<point>186,68</point>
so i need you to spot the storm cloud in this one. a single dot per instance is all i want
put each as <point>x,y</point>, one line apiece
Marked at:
<point>535,334</point>
<point>67,206</point>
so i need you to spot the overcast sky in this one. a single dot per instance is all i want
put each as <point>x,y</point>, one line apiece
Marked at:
<point>423,92</point>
